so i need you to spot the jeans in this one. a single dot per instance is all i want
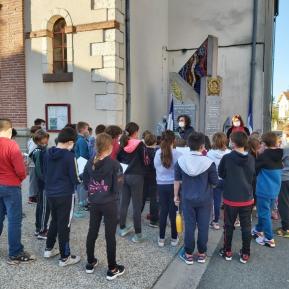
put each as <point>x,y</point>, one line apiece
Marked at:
<point>109,212</point>
<point>167,207</point>
<point>132,189</point>
<point>283,205</point>
<point>11,204</point>
<point>150,190</point>
<point>218,191</point>
<point>61,214</point>
<point>264,206</point>
<point>196,216</point>
<point>230,216</point>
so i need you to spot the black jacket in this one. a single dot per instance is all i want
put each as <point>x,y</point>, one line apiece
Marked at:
<point>186,132</point>
<point>238,172</point>
<point>101,182</point>
<point>134,160</point>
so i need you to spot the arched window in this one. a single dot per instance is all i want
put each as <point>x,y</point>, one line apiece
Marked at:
<point>59,46</point>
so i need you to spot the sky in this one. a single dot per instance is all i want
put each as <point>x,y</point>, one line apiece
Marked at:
<point>281,63</point>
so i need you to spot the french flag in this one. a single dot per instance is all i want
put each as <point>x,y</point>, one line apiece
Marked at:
<point>170,119</point>
<point>250,117</point>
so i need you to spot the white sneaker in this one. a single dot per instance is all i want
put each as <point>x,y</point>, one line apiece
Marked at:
<point>161,242</point>
<point>175,242</point>
<point>260,241</point>
<point>51,253</point>
<point>71,260</point>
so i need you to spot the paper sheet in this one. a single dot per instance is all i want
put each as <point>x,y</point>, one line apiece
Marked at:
<point>81,163</point>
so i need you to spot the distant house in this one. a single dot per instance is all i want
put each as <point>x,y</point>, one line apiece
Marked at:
<point>283,105</point>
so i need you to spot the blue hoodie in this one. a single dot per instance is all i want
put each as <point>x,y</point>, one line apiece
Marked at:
<point>60,172</point>
<point>81,147</point>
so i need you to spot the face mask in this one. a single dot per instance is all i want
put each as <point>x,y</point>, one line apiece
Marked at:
<point>236,123</point>
<point>182,124</point>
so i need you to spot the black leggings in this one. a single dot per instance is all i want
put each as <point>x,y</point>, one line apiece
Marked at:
<point>109,212</point>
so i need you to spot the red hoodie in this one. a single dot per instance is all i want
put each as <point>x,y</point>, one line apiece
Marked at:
<point>12,167</point>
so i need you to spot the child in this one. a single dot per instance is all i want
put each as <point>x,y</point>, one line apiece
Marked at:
<point>33,186</point>
<point>216,154</point>
<point>61,177</point>
<point>150,185</point>
<point>237,169</point>
<point>115,132</point>
<point>198,174</point>
<point>283,200</point>
<point>132,154</point>
<point>165,159</point>
<point>40,122</point>
<point>100,178</point>
<point>91,139</point>
<point>40,138</point>
<point>269,169</point>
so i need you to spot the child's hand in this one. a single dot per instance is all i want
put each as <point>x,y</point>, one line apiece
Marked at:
<point>177,200</point>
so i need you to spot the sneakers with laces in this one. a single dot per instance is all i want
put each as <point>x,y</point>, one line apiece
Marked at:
<point>49,253</point>
<point>175,242</point>
<point>22,258</point>
<point>215,225</point>
<point>137,238</point>
<point>89,268</point>
<point>161,242</point>
<point>281,233</point>
<point>188,259</point>
<point>244,258</point>
<point>42,235</point>
<point>227,255</point>
<point>266,242</point>
<point>118,271</point>
<point>70,260</point>
<point>237,224</point>
<point>154,224</point>
<point>123,232</point>
<point>201,258</point>
<point>255,234</point>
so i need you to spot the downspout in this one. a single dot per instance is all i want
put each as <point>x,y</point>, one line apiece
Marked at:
<point>127,61</point>
<point>253,58</point>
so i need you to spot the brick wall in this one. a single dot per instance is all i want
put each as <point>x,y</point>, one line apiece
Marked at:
<point>12,62</point>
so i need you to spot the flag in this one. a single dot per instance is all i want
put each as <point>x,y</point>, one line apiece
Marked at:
<point>250,117</point>
<point>170,118</point>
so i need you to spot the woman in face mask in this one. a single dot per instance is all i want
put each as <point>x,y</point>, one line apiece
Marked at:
<point>237,125</point>
<point>185,128</point>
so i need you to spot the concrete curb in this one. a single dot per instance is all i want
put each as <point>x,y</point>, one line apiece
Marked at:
<point>178,275</point>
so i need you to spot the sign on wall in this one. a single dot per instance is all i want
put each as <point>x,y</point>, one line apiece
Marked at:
<point>57,116</point>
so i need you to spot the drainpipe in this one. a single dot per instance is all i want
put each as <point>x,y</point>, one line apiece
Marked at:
<point>127,61</point>
<point>253,58</point>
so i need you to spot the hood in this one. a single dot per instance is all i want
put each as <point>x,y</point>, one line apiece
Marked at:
<point>240,159</point>
<point>132,145</point>
<point>194,163</point>
<point>217,154</point>
<point>274,154</point>
<point>102,166</point>
<point>56,153</point>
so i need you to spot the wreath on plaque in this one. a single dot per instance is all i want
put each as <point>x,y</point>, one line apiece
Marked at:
<point>214,86</point>
<point>177,91</point>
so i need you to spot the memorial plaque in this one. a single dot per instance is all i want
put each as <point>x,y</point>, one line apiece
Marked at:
<point>213,114</point>
<point>185,108</point>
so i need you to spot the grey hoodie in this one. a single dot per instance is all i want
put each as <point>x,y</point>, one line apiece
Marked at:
<point>217,155</point>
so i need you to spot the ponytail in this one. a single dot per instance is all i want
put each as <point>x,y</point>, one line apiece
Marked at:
<point>168,138</point>
<point>130,129</point>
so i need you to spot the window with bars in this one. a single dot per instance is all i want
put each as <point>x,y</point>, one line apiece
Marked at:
<point>59,47</point>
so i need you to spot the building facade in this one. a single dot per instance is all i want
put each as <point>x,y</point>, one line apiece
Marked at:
<point>110,60</point>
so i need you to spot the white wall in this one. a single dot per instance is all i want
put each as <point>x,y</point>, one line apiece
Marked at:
<point>149,73</point>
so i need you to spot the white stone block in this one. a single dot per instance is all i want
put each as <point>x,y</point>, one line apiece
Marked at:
<point>113,35</point>
<point>96,61</point>
<point>105,48</point>
<point>97,36</point>
<point>115,117</point>
<point>113,14</point>
<point>99,87</point>
<point>109,102</point>
<point>100,15</point>
<point>122,51</point>
<point>99,4</point>
<point>115,88</point>
<point>113,61</point>
<point>122,76</point>
<point>105,74</point>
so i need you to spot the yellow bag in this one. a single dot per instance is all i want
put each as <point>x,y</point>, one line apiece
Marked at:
<point>179,222</point>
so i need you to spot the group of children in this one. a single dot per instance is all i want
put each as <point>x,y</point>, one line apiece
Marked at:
<point>122,168</point>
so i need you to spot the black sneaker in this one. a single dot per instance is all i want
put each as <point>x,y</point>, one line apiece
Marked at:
<point>227,255</point>
<point>42,235</point>
<point>111,275</point>
<point>23,257</point>
<point>154,224</point>
<point>89,268</point>
<point>244,258</point>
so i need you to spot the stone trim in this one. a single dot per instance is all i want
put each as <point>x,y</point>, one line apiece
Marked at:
<point>113,24</point>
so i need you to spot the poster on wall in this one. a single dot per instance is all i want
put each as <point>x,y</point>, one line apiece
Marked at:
<point>57,116</point>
